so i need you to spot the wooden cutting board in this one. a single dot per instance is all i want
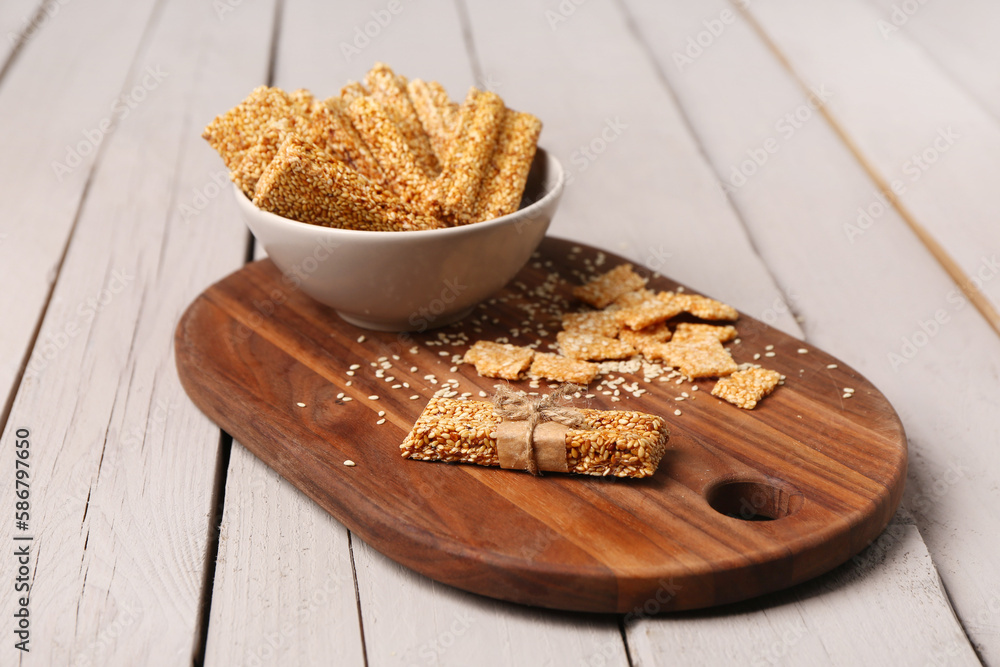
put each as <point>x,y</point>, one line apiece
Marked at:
<point>267,364</point>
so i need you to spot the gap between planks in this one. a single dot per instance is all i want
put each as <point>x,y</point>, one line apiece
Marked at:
<point>951,267</point>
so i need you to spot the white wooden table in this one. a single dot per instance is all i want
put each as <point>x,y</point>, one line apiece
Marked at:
<point>741,148</point>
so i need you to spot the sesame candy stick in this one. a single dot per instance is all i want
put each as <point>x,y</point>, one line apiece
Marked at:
<point>437,114</point>
<point>346,140</point>
<point>473,147</point>
<point>509,166</point>
<point>407,180</point>
<point>390,91</point>
<point>233,133</point>
<point>304,183</point>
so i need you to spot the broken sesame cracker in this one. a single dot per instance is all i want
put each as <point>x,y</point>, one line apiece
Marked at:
<point>689,330</point>
<point>561,369</point>
<point>604,289</point>
<point>600,322</point>
<point>499,360</point>
<point>658,333</point>
<point>591,347</point>
<point>634,298</point>
<point>651,311</point>
<point>695,358</point>
<point>707,309</point>
<point>745,388</point>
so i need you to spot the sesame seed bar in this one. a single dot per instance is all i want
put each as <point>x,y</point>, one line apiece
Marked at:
<point>633,298</point>
<point>604,289</point>
<point>561,369</point>
<point>505,178</point>
<point>600,322</point>
<point>499,360</point>
<point>617,443</point>
<point>689,330</point>
<point>391,92</point>
<point>305,183</point>
<point>470,155</point>
<point>695,358</point>
<point>438,115</point>
<point>651,311</point>
<point>238,130</point>
<point>591,347</point>
<point>395,158</point>
<point>705,308</point>
<point>747,387</point>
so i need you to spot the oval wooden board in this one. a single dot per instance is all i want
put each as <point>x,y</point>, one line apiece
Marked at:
<point>251,348</point>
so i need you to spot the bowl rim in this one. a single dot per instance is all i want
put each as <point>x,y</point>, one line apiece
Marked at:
<point>554,192</point>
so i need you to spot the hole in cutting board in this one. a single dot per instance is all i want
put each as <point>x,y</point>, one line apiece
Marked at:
<point>755,500</point>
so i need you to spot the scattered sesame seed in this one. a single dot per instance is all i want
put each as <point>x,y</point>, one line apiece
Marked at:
<point>355,367</point>
<point>373,397</point>
<point>301,405</point>
<point>396,386</point>
<point>349,463</point>
<point>381,421</point>
<point>390,379</point>
<point>678,398</point>
<point>347,398</point>
<point>349,383</point>
<point>381,413</point>
<point>414,397</point>
<point>769,354</point>
<point>351,373</point>
<point>677,412</point>
<point>831,366</point>
<point>361,339</point>
<point>340,395</point>
<point>803,350</point>
<point>756,356</point>
<point>768,347</point>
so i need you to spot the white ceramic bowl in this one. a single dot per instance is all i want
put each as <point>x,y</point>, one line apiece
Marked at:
<point>410,281</point>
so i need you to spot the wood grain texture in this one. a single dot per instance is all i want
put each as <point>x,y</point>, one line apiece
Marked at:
<point>939,140</point>
<point>860,300</point>
<point>892,585</point>
<point>565,542</point>
<point>284,584</point>
<point>62,84</point>
<point>124,468</point>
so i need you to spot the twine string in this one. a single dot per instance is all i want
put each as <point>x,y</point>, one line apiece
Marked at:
<point>517,406</point>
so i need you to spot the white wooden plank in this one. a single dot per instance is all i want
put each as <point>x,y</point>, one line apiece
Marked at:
<point>124,465</point>
<point>817,623</point>
<point>53,100</point>
<point>960,36</point>
<point>910,120</point>
<point>412,620</point>
<point>639,184</point>
<point>284,583</point>
<point>862,300</point>
<point>19,22</point>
